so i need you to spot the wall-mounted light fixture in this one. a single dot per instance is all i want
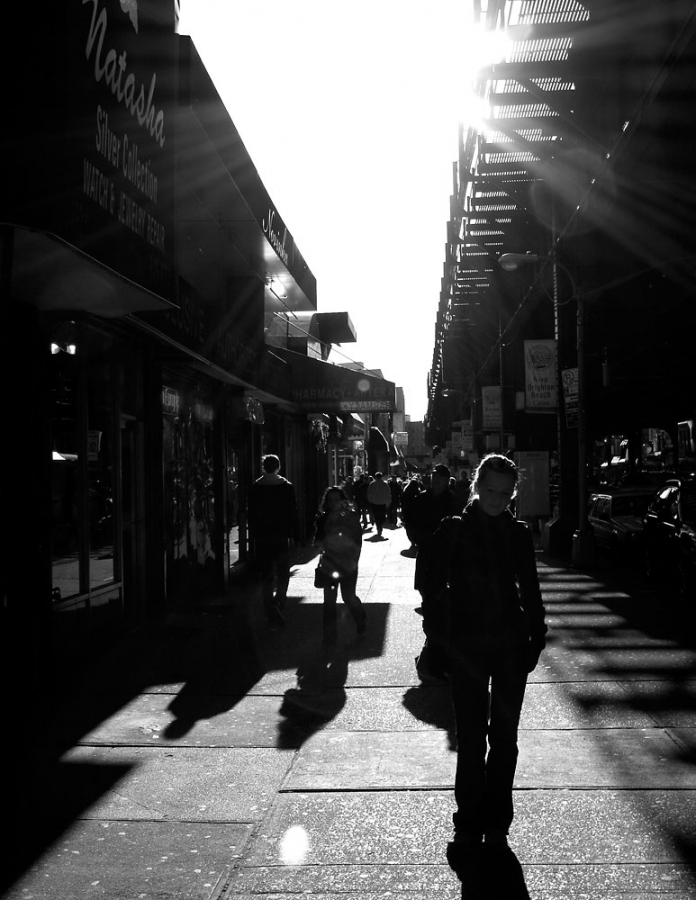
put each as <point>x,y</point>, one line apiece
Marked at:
<point>70,349</point>
<point>64,339</point>
<point>277,288</point>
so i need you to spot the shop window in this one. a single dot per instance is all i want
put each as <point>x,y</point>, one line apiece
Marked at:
<point>233,507</point>
<point>189,468</point>
<point>82,464</point>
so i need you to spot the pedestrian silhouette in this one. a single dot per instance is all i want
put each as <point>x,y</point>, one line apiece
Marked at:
<point>410,491</point>
<point>273,523</point>
<point>379,497</point>
<point>337,531</point>
<point>426,512</point>
<point>484,609</point>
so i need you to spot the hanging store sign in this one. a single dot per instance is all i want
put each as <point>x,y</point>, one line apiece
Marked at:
<point>319,386</point>
<point>541,392</point>
<point>571,396</point>
<point>171,401</point>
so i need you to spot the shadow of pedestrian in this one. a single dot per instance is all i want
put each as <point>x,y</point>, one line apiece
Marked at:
<point>432,704</point>
<point>224,663</point>
<point>318,698</point>
<point>488,872</point>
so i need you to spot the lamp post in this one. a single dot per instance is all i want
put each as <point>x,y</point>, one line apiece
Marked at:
<point>584,551</point>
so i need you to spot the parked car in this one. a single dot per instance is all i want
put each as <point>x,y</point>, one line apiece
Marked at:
<point>669,535</point>
<point>617,519</point>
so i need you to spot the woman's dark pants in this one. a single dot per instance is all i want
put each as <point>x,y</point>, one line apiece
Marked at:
<point>347,584</point>
<point>486,738</point>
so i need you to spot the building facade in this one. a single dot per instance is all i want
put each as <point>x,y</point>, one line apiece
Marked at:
<point>142,260</point>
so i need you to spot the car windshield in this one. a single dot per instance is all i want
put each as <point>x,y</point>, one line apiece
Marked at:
<point>630,506</point>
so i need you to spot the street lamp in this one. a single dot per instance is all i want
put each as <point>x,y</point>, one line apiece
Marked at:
<point>584,550</point>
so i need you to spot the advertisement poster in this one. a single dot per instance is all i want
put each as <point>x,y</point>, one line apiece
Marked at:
<point>533,496</point>
<point>541,392</point>
<point>571,396</point>
<point>492,409</point>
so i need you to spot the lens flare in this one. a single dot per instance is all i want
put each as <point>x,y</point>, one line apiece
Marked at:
<point>294,846</point>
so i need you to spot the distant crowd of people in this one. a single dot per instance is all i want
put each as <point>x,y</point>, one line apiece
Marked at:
<point>417,503</point>
<point>480,601</point>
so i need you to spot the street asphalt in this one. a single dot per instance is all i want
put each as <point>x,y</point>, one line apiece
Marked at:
<point>214,758</point>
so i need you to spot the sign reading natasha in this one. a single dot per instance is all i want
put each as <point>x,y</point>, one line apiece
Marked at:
<point>104,80</point>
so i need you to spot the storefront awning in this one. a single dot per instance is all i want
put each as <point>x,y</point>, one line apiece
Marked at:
<point>319,386</point>
<point>353,426</point>
<point>52,275</point>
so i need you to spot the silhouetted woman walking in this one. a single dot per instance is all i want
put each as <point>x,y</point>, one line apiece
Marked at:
<point>337,530</point>
<point>487,607</point>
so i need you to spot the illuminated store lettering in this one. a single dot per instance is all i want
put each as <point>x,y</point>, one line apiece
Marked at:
<point>273,237</point>
<point>112,67</point>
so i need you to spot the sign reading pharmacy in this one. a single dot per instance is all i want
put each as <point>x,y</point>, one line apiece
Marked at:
<point>323,387</point>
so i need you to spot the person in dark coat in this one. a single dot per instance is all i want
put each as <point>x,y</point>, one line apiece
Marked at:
<point>485,606</point>
<point>348,487</point>
<point>273,523</point>
<point>395,505</point>
<point>428,509</point>
<point>411,489</point>
<point>360,500</point>
<point>379,500</point>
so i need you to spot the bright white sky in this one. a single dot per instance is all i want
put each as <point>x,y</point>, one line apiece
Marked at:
<point>350,112</point>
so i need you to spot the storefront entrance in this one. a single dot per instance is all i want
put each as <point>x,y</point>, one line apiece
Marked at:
<point>94,389</point>
<point>191,463</point>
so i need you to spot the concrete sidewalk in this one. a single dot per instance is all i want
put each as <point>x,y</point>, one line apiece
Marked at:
<point>216,758</point>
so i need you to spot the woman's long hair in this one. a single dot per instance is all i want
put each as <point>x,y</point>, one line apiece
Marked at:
<point>494,462</point>
<point>331,490</point>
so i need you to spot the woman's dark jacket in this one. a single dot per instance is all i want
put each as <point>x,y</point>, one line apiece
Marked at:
<point>340,536</point>
<point>482,589</point>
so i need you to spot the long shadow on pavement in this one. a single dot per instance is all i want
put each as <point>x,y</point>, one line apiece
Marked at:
<point>622,629</point>
<point>488,872</point>
<point>209,660</point>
